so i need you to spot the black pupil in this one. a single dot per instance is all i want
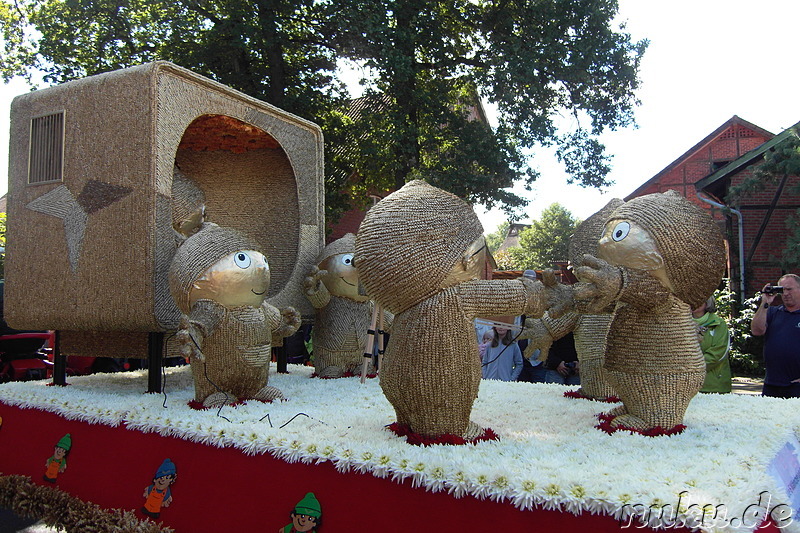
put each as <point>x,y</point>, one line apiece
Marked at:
<point>619,232</point>
<point>241,257</point>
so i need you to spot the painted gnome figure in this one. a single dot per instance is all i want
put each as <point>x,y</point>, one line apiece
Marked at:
<point>158,494</point>
<point>589,330</point>
<point>343,315</point>
<point>57,463</point>
<point>660,257</point>
<point>219,283</point>
<point>306,516</point>
<point>420,253</point>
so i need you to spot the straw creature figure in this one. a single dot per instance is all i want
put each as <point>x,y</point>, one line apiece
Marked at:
<point>660,257</point>
<point>342,314</point>
<point>589,330</point>
<point>419,254</point>
<point>219,283</point>
<point>188,205</point>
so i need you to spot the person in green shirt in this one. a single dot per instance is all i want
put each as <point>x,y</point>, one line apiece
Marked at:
<point>715,344</point>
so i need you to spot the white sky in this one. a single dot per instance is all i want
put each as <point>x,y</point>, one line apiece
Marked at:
<point>707,61</point>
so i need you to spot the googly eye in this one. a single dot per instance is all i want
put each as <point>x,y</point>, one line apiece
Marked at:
<point>621,231</point>
<point>266,263</point>
<point>242,260</point>
<point>347,259</point>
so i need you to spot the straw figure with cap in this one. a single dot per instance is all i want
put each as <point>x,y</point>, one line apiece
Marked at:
<point>57,463</point>
<point>660,256</point>
<point>589,330</point>
<point>420,253</point>
<point>159,494</point>
<point>219,283</point>
<point>342,311</point>
<point>306,516</point>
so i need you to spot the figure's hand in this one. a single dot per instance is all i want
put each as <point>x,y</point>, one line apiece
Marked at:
<point>290,321</point>
<point>190,340</point>
<point>599,284</point>
<point>559,296</point>
<point>313,280</point>
<point>538,336</point>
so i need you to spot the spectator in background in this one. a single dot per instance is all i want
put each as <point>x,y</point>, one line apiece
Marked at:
<point>780,326</point>
<point>715,345</point>
<point>502,358</point>
<point>562,362</point>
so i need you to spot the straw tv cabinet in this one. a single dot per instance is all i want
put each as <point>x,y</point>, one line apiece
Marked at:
<point>91,162</point>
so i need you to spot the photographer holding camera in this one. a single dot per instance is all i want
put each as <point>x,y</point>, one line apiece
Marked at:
<point>780,326</point>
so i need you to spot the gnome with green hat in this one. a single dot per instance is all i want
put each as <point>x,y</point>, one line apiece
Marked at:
<point>57,463</point>
<point>306,516</point>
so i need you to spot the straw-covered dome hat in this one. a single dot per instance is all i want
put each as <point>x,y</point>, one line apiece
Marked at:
<point>689,240</point>
<point>346,244</point>
<point>409,242</point>
<point>587,234</point>
<point>197,254</point>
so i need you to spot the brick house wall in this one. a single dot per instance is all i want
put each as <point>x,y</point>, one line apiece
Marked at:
<point>736,145</point>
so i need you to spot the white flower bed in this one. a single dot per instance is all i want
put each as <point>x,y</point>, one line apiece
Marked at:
<point>549,454</point>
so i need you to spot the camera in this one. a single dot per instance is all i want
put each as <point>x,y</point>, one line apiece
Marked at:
<point>773,289</point>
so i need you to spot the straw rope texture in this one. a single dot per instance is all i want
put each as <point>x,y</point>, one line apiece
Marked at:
<point>405,247</point>
<point>108,225</point>
<point>591,330</point>
<point>235,343</point>
<point>653,358</point>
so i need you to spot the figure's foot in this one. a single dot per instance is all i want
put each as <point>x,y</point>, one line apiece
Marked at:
<point>331,372</point>
<point>269,394</point>
<point>617,411</point>
<point>473,431</point>
<point>218,399</point>
<point>629,421</point>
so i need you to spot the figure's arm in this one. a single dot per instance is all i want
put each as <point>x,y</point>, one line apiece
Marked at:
<point>283,323</point>
<point>485,298</point>
<point>602,284</point>
<point>542,332</point>
<point>201,322</point>
<point>758,325</point>
<point>316,291</point>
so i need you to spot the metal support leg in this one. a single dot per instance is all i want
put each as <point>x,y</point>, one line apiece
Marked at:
<point>281,357</point>
<point>59,363</point>
<point>155,359</point>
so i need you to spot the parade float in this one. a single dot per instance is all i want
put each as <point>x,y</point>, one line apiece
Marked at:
<point>333,454</point>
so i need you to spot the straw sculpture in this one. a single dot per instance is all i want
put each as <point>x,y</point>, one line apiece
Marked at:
<point>188,205</point>
<point>660,257</point>
<point>419,253</point>
<point>227,328</point>
<point>589,330</point>
<point>107,222</point>
<point>342,312</point>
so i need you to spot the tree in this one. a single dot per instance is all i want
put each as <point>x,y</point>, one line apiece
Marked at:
<point>495,239</point>
<point>432,61</point>
<point>546,240</point>
<point>535,60</point>
<point>278,51</point>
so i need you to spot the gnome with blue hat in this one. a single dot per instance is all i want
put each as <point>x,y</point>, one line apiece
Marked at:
<point>158,494</point>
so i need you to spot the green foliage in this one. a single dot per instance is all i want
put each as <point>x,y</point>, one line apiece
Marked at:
<point>429,63</point>
<point>495,239</point>
<point>746,349</point>
<point>546,240</point>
